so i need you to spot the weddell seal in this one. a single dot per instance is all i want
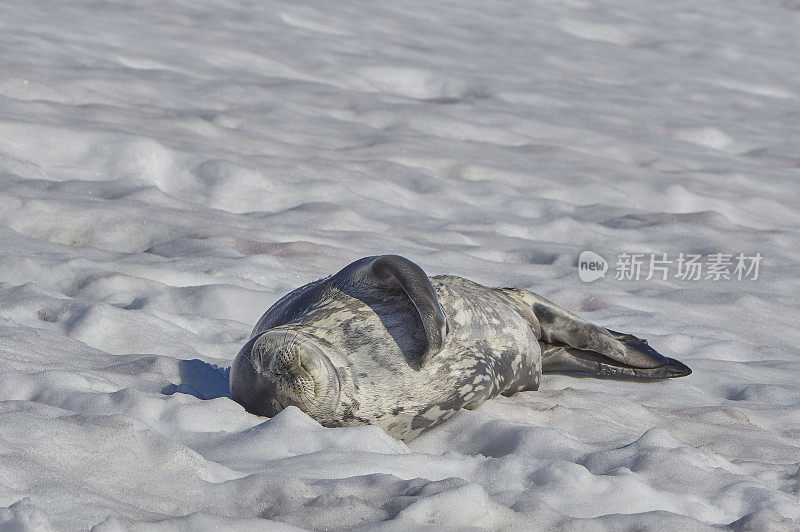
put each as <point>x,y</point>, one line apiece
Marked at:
<point>381,343</point>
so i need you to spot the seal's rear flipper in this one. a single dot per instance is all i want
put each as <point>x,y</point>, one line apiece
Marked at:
<point>561,358</point>
<point>622,354</point>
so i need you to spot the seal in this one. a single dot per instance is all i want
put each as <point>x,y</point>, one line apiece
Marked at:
<point>381,343</point>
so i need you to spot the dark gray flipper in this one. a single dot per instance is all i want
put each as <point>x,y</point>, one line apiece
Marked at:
<point>620,354</point>
<point>387,275</point>
<point>371,279</point>
<point>559,358</point>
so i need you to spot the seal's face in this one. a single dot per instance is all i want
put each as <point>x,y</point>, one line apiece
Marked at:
<point>283,367</point>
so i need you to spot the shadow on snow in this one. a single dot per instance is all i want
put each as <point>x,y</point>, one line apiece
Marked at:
<point>201,379</point>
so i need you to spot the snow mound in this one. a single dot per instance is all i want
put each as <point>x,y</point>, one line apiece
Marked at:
<point>169,170</point>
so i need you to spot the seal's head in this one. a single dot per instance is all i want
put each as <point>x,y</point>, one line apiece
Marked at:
<point>283,367</point>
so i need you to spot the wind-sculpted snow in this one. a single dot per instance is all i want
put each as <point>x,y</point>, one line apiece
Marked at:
<point>169,170</point>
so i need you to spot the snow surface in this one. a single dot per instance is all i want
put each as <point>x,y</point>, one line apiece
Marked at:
<point>169,169</point>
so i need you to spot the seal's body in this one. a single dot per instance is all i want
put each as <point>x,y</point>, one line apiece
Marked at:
<point>381,343</point>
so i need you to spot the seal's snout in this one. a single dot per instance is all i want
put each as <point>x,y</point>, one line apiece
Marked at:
<point>285,368</point>
<point>288,357</point>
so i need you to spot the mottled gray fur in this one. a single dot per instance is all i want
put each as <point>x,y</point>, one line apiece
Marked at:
<point>381,343</point>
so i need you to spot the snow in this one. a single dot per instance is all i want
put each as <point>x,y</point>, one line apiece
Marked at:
<point>168,170</point>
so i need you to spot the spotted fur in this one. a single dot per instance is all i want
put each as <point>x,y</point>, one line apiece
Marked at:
<point>381,343</point>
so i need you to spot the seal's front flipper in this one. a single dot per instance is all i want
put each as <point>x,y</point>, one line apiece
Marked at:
<point>560,358</point>
<point>387,275</point>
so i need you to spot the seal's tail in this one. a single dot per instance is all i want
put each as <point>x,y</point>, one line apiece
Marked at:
<point>570,343</point>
